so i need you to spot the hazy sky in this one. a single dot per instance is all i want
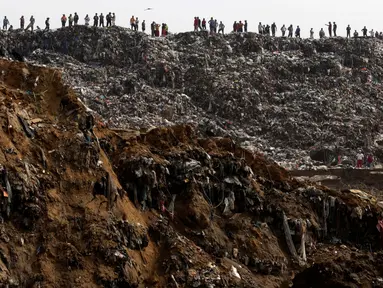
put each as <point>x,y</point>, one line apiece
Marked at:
<point>178,14</point>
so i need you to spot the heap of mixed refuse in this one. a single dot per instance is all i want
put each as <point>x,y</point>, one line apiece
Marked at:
<point>123,165</point>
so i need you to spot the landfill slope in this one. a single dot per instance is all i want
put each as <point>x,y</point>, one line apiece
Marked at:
<point>180,210</point>
<point>286,97</point>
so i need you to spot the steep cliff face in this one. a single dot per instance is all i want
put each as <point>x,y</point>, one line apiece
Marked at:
<point>83,205</point>
<point>283,96</point>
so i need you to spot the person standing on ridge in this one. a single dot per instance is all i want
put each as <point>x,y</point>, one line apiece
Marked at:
<point>75,18</point>
<point>321,33</point>
<point>298,32</point>
<point>348,29</point>
<point>211,25</point>
<point>152,28</point>
<point>290,29</point>
<point>283,30</point>
<point>267,30</point>
<point>372,33</point>
<point>240,27</point>
<point>70,20</point>
<point>329,25</point>
<point>109,19</point>
<point>5,23</point>
<point>273,29</point>
<point>199,24</point>
<point>356,34</point>
<point>215,26</point>
<point>195,24</point>
<point>47,25</point>
<point>101,20</point>
<point>334,27</point>
<point>221,28</point>
<point>22,22</point>
<point>311,33</point>
<point>132,23</point>
<point>63,21</point>
<point>95,20</point>
<point>137,23</point>
<point>260,28</point>
<point>204,24</point>
<point>235,27</point>
<point>114,19</point>
<point>31,23</point>
<point>143,26</point>
<point>245,26</point>
<point>364,30</point>
<point>87,20</point>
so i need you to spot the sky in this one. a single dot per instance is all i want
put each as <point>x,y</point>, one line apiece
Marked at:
<point>179,14</point>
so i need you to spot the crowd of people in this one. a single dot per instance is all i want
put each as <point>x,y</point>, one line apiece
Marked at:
<point>198,24</point>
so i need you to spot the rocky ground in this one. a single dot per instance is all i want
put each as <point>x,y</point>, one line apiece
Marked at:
<point>161,207</point>
<point>284,97</point>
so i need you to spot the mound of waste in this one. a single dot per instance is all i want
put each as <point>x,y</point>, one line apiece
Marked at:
<point>286,97</point>
<point>83,205</point>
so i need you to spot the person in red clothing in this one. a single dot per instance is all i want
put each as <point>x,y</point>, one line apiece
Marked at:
<point>370,159</point>
<point>203,24</point>
<point>195,23</point>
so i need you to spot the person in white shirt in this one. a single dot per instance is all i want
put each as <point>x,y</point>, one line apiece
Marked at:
<point>359,158</point>
<point>87,20</point>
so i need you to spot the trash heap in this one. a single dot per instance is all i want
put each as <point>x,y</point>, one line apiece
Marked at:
<point>285,97</point>
<point>85,205</point>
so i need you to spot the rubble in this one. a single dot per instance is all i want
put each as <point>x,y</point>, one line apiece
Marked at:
<point>285,97</point>
<point>184,209</point>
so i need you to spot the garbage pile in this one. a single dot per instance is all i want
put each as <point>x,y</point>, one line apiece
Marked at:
<point>82,204</point>
<point>281,96</point>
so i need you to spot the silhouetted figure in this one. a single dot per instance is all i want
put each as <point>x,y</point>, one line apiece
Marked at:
<point>152,28</point>
<point>5,23</point>
<point>240,27</point>
<point>47,25</point>
<point>245,26</point>
<point>311,33</point>
<point>348,30</point>
<point>260,28</point>
<point>321,33</point>
<point>364,30</point>
<point>114,19</point>
<point>70,20</point>
<point>283,30</point>
<point>298,32</point>
<point>329,25</point>
<point>195,24</point>
<point>22,22</point>
<point>109,19</point>
<point>143,26</point>
<point>221,28</point>
<point>31,23</point>
<point>267,29</point>
<point>356,34</point>
<point>334,27</point>
<point>273,29</point>
<point>87,20</point>
<point>63,21</point>
<point>75,18</point>
<point>101,20</point>
<point>234,27</point>
<point>95,20</point>
<point>290,29</point>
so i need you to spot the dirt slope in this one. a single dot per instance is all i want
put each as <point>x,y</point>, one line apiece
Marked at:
<point>228,225</point>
